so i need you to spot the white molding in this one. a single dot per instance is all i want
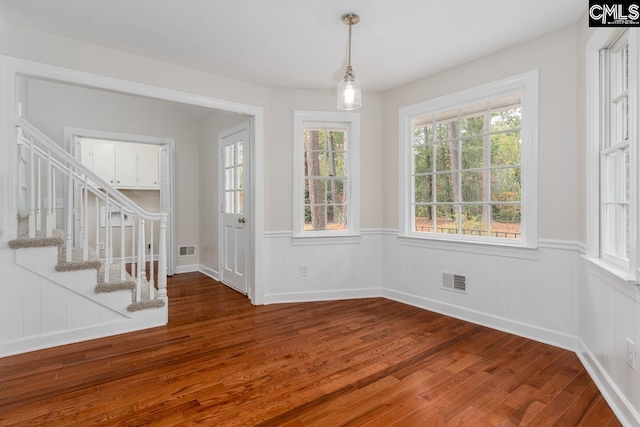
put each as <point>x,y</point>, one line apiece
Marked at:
<point>536,333</point>
<point>71,336</point>
<point>207,271</point>
<point>470,247</point>
<point>290,297</point>
<point>348,239</point>
<point>277,234</point>
<point>622,408</point>
<point>10,66</point>
<point>527,83</point>
<point>371,231</point>
<point>191,268</point>
<point>363,232</point>
<point>564,245</point>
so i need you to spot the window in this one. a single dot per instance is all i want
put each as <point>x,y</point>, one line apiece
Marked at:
<point>614,152</point>
<point>326,174</point>
<point>470,164</point>
<point>612,132</point>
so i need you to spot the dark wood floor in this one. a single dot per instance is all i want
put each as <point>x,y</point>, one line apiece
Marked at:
<point>374,362</point>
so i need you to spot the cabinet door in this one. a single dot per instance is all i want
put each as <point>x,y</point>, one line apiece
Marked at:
<point>104,162</point>
<point>126,166</point>
<point>148,168</point>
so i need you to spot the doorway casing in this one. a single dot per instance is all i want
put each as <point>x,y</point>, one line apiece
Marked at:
<point>11,67</point>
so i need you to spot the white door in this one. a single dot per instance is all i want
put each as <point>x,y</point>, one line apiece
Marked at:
<point>234,232</point>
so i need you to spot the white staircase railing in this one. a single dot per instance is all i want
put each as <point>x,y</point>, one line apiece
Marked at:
<point>48,165</point>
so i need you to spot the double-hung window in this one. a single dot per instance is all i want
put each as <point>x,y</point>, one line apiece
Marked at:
<point>326,187</point>
<point>612,78</point>
<point>614,152</point>
<point>470,161</point>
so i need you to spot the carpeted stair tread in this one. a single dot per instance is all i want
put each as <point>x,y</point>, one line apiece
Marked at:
<point>116,282</point>
<point>143,305</point>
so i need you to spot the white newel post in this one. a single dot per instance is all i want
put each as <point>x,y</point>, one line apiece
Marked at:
<point>122,245</point>
<point>162,260</point>
<point>32,193</point>
<point>141,258</point>
<point>133,250</point>
<point>151,262</point>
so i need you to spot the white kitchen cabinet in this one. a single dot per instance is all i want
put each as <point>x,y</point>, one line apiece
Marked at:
<point>122,164</point>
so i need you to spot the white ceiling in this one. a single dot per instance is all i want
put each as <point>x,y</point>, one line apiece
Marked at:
<point>302,43</point>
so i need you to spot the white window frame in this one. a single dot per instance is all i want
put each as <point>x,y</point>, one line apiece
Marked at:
<point>601,39</point>
<point>319,118</point>
<point>527,85</point>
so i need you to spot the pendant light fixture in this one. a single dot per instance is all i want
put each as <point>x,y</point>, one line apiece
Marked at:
<point>349,97</point>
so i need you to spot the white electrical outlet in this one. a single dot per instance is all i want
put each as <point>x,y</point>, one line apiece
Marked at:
<point>631,354</point>
<point>304,270</point>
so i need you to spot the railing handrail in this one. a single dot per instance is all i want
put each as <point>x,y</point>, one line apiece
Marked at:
<point>110,190</point>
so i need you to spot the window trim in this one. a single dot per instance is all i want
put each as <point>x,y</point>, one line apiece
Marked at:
<point>352,120</point>
<point>603,38</point>
<point>527,83</point>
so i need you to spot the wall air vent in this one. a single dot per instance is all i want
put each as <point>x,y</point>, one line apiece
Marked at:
<point>187,250</point>
<point>454,282</point>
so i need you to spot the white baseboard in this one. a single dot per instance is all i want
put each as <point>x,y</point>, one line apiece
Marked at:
<point>192,268</point>
<point>321,296</point>
<point>55,339</point>
<point>536,333</point>
<point>209,272</point>
<point>620,405</point>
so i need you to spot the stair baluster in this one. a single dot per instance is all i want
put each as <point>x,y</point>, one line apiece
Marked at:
<point>107,232</point>
<point>69,215</point>
<point>85,219</point>
<point>97,227</point>
<point>122,244</point>
<point>133,251</point>
<point>39,198</point>
<point>51,177</point>
<point>32,194</point>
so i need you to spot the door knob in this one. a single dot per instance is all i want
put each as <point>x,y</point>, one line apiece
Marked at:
<point>241,220</point>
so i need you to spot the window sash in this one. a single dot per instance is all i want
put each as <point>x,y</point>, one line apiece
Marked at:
<point>335,204</point>
<point>451,209</point>
<point>614,154</point>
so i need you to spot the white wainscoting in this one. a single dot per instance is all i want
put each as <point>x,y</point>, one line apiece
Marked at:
<point>37,313</point>
<point>535,297</point>
<point>609,315</point>
<point>335,271</point>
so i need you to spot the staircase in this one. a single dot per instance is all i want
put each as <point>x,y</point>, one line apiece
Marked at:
<point>96,251</point>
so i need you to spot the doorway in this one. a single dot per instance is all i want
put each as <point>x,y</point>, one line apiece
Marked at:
<point>12,68</point>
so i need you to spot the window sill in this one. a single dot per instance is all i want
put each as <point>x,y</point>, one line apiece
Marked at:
<point>617,273</point>
<point>510,251</point>
<point>350,239</point>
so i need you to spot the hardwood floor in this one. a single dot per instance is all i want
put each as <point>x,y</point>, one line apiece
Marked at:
<point>373,362</point>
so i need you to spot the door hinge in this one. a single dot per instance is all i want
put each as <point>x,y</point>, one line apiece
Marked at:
<point>221,207</point>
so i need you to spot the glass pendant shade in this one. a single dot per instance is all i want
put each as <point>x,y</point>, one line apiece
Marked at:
<point>349,97</point>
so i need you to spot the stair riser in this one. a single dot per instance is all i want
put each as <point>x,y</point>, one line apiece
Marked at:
<point>42,261</point>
